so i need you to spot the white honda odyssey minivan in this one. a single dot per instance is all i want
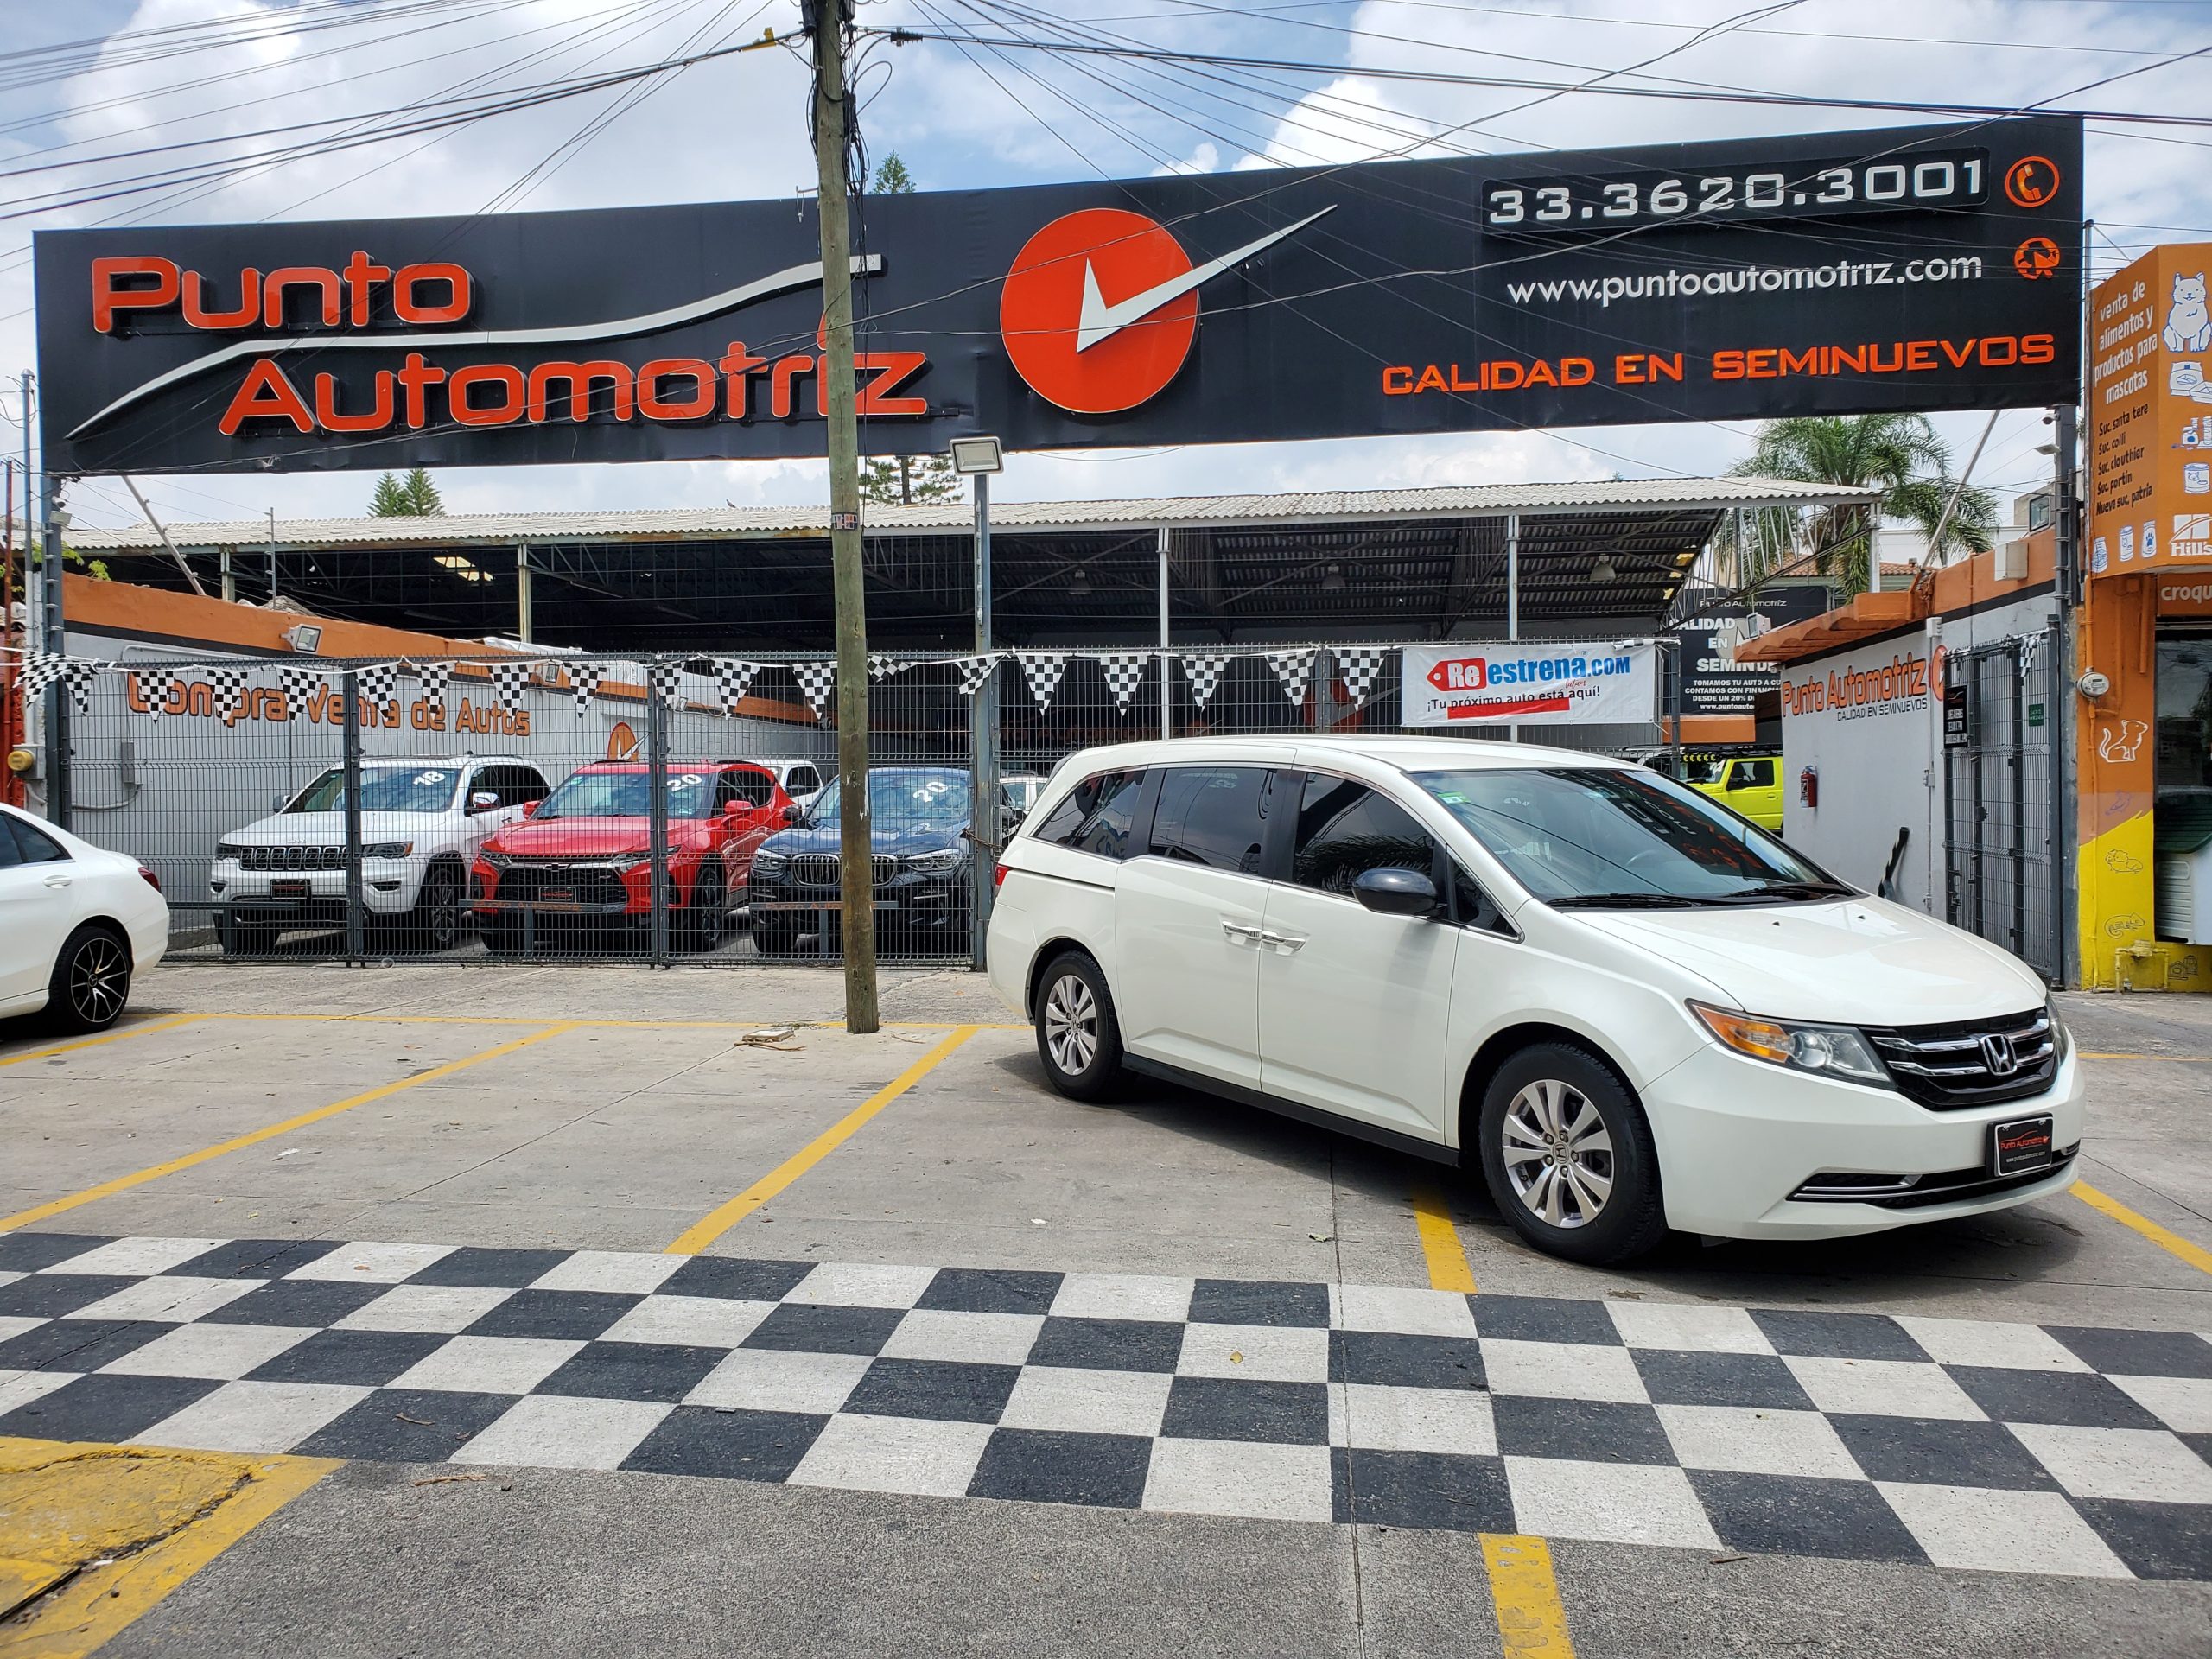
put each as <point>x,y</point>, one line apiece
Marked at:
<point>1630,1008</point>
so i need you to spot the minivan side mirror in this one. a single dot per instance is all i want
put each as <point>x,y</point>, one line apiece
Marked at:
<point>793,814</point>
<point>529,808</point>
<point>1396,893</point>
<point>483,800</point>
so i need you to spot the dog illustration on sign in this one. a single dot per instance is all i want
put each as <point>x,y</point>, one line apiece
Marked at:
<point>2121,742</point>
<point>2188,325</point>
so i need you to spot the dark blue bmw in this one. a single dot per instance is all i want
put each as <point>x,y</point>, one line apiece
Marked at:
<point>918,820</point>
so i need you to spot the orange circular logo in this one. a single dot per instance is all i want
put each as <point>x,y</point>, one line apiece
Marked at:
<point>2031,181</point>
<point>622,742</point>
<point>2037,257</point>
<point>1074,317</point>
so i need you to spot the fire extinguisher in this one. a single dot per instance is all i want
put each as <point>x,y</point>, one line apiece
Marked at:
<point>1808,787</point>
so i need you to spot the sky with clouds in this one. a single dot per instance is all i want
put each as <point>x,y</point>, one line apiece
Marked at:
<point>974,116</point>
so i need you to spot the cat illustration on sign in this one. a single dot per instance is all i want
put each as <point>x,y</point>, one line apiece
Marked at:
<point>2188,325</point>
<point>2120,742</point>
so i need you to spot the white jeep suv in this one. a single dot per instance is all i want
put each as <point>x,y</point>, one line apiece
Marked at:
<point>421,822</point>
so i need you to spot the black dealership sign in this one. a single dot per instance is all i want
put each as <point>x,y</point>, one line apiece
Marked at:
<point>1713,681</point>
<point>1914,269</point>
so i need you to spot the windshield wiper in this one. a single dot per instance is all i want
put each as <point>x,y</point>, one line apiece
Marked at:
<point>1626,901</point>
<point>1796,890</point>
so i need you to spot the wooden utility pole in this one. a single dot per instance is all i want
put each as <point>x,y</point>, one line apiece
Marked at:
<point>856,863</point>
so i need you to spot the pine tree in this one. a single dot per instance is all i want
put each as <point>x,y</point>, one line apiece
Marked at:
<point>390,500</point>
<point>891,179</point>
<point>422,500</point>
<point>905,480</point>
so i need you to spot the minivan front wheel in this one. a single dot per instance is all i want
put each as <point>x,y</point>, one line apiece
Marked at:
<point>1568,1156</point>
<point>1078,1039</point>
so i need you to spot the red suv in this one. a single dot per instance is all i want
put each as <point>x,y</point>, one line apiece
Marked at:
<point>586,851</point>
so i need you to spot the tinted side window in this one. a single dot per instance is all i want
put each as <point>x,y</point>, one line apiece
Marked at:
<point>753,788</point>
<point>9,855</point>
<point>524,785</point>
<point>1472,906</point>
<point>1215,816</point>
<point>36,846</point>
<point>1345,829</point>
<point>1095,815</point>
<point>1751,774</point>
<point>802,781</point>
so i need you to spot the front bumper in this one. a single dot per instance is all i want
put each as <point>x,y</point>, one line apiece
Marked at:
<point>577,888</point>
<point>389,886</point>
<point>910,901</point>
<point>1737,1139</point>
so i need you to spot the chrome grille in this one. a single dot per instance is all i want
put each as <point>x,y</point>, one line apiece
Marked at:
<point>820,869</point>
<point>292,858</point>
<point>1979,1063</point>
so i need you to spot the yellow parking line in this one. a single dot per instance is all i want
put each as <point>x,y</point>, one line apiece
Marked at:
<point>2185,1059</point>
<point>124,1183</point>
<point>2173,1243</point>
<point>618,1025</point>
<point>1525,1597</point>
<point>1439,1242</point>
<point>92,1603</point>
<point>718,1221</point>
<point>116,1036</point>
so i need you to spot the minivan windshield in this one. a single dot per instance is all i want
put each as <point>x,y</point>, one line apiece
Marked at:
<point>627,795</point>
<point>900,798</point>
<point>1602,838</point>
<point>384,789</point>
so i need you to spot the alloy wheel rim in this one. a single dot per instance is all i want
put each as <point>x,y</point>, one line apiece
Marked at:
<point>98,978</point>
<point>1072,1025</point>
<point>1558,1153</point>
<point>445,910</point>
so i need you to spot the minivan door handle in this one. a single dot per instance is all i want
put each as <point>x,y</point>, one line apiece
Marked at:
<point>59,880</point>
<point>1288,943</point>
<point>1243,933</point>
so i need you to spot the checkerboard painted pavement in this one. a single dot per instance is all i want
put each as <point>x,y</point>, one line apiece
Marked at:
<point>1983,1445</point>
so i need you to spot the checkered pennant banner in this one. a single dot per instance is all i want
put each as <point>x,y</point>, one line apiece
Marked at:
<point>229,687</point>
<point>1204,671</point>
<point>975,670</point>
<point>1293,669</point>
<point>82,671</point>
<point>1124,673</point>
<point>815,680</point>
<point>508,680</point>
<point>430,680</point>
<point>36,672</point>
<point>379,681</point>
<point>155,685</point>
<point>300,679</point>
<point>1044,669</point>
<point>666,680</point>
<point>1360,667</point>
<point>732,679</point>
<point>583,684</point>
<point>881,667</point>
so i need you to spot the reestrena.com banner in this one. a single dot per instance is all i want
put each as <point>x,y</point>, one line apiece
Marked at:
<point>1557,683</point>
<point>1909,269</point>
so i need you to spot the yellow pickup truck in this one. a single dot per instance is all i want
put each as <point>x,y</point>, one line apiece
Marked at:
<point>1750,783</point>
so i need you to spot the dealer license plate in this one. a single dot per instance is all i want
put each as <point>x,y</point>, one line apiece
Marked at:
<point>559,895</point>
<point>295,887</point>
<point>2022,1145</point>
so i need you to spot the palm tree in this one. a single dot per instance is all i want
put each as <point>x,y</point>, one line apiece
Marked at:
<point>1899,455</point>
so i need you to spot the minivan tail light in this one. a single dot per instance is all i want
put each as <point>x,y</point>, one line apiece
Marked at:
<point>149,878</point>
<point>998,877</point>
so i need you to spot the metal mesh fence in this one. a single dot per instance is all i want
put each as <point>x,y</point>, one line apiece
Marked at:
<point>2001,873</point>
<point>666,809</point>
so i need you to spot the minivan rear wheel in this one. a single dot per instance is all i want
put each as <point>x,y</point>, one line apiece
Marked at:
<point>1568,1156</point>
<point>1078,1039</point>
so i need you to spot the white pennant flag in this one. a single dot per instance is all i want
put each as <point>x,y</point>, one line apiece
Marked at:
<point>1358,665</point>
<point>974,670</point>
<point>583,683</point>
<point>1044,669</point>
<point>815,680</point>
<point>733,677</point>
<point>1293,669</point>
<point>1124,673</point>
<point>1203,670</point>
<point>430,680</point>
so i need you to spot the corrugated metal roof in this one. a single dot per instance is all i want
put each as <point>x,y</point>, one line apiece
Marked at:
<point>711,524</point>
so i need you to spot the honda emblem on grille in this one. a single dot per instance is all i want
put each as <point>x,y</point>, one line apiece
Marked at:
<point>1997,1054</point>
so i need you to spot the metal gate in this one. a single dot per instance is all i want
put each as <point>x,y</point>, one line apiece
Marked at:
<point>2001,796</point>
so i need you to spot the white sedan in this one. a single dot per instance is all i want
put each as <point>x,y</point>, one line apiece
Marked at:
<point>75,924</point>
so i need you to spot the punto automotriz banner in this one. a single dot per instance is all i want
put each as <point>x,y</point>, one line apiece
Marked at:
<point>1561,683</point>
<point>1912,269</point>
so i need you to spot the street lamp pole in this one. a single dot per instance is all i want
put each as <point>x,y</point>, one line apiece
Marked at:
<point>977,459</point>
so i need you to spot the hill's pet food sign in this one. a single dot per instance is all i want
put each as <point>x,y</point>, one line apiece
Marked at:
<point>1555,683</point>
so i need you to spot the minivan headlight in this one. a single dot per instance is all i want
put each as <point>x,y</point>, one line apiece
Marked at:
<point>2061,1041</point>
<point>1826,1051</point>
